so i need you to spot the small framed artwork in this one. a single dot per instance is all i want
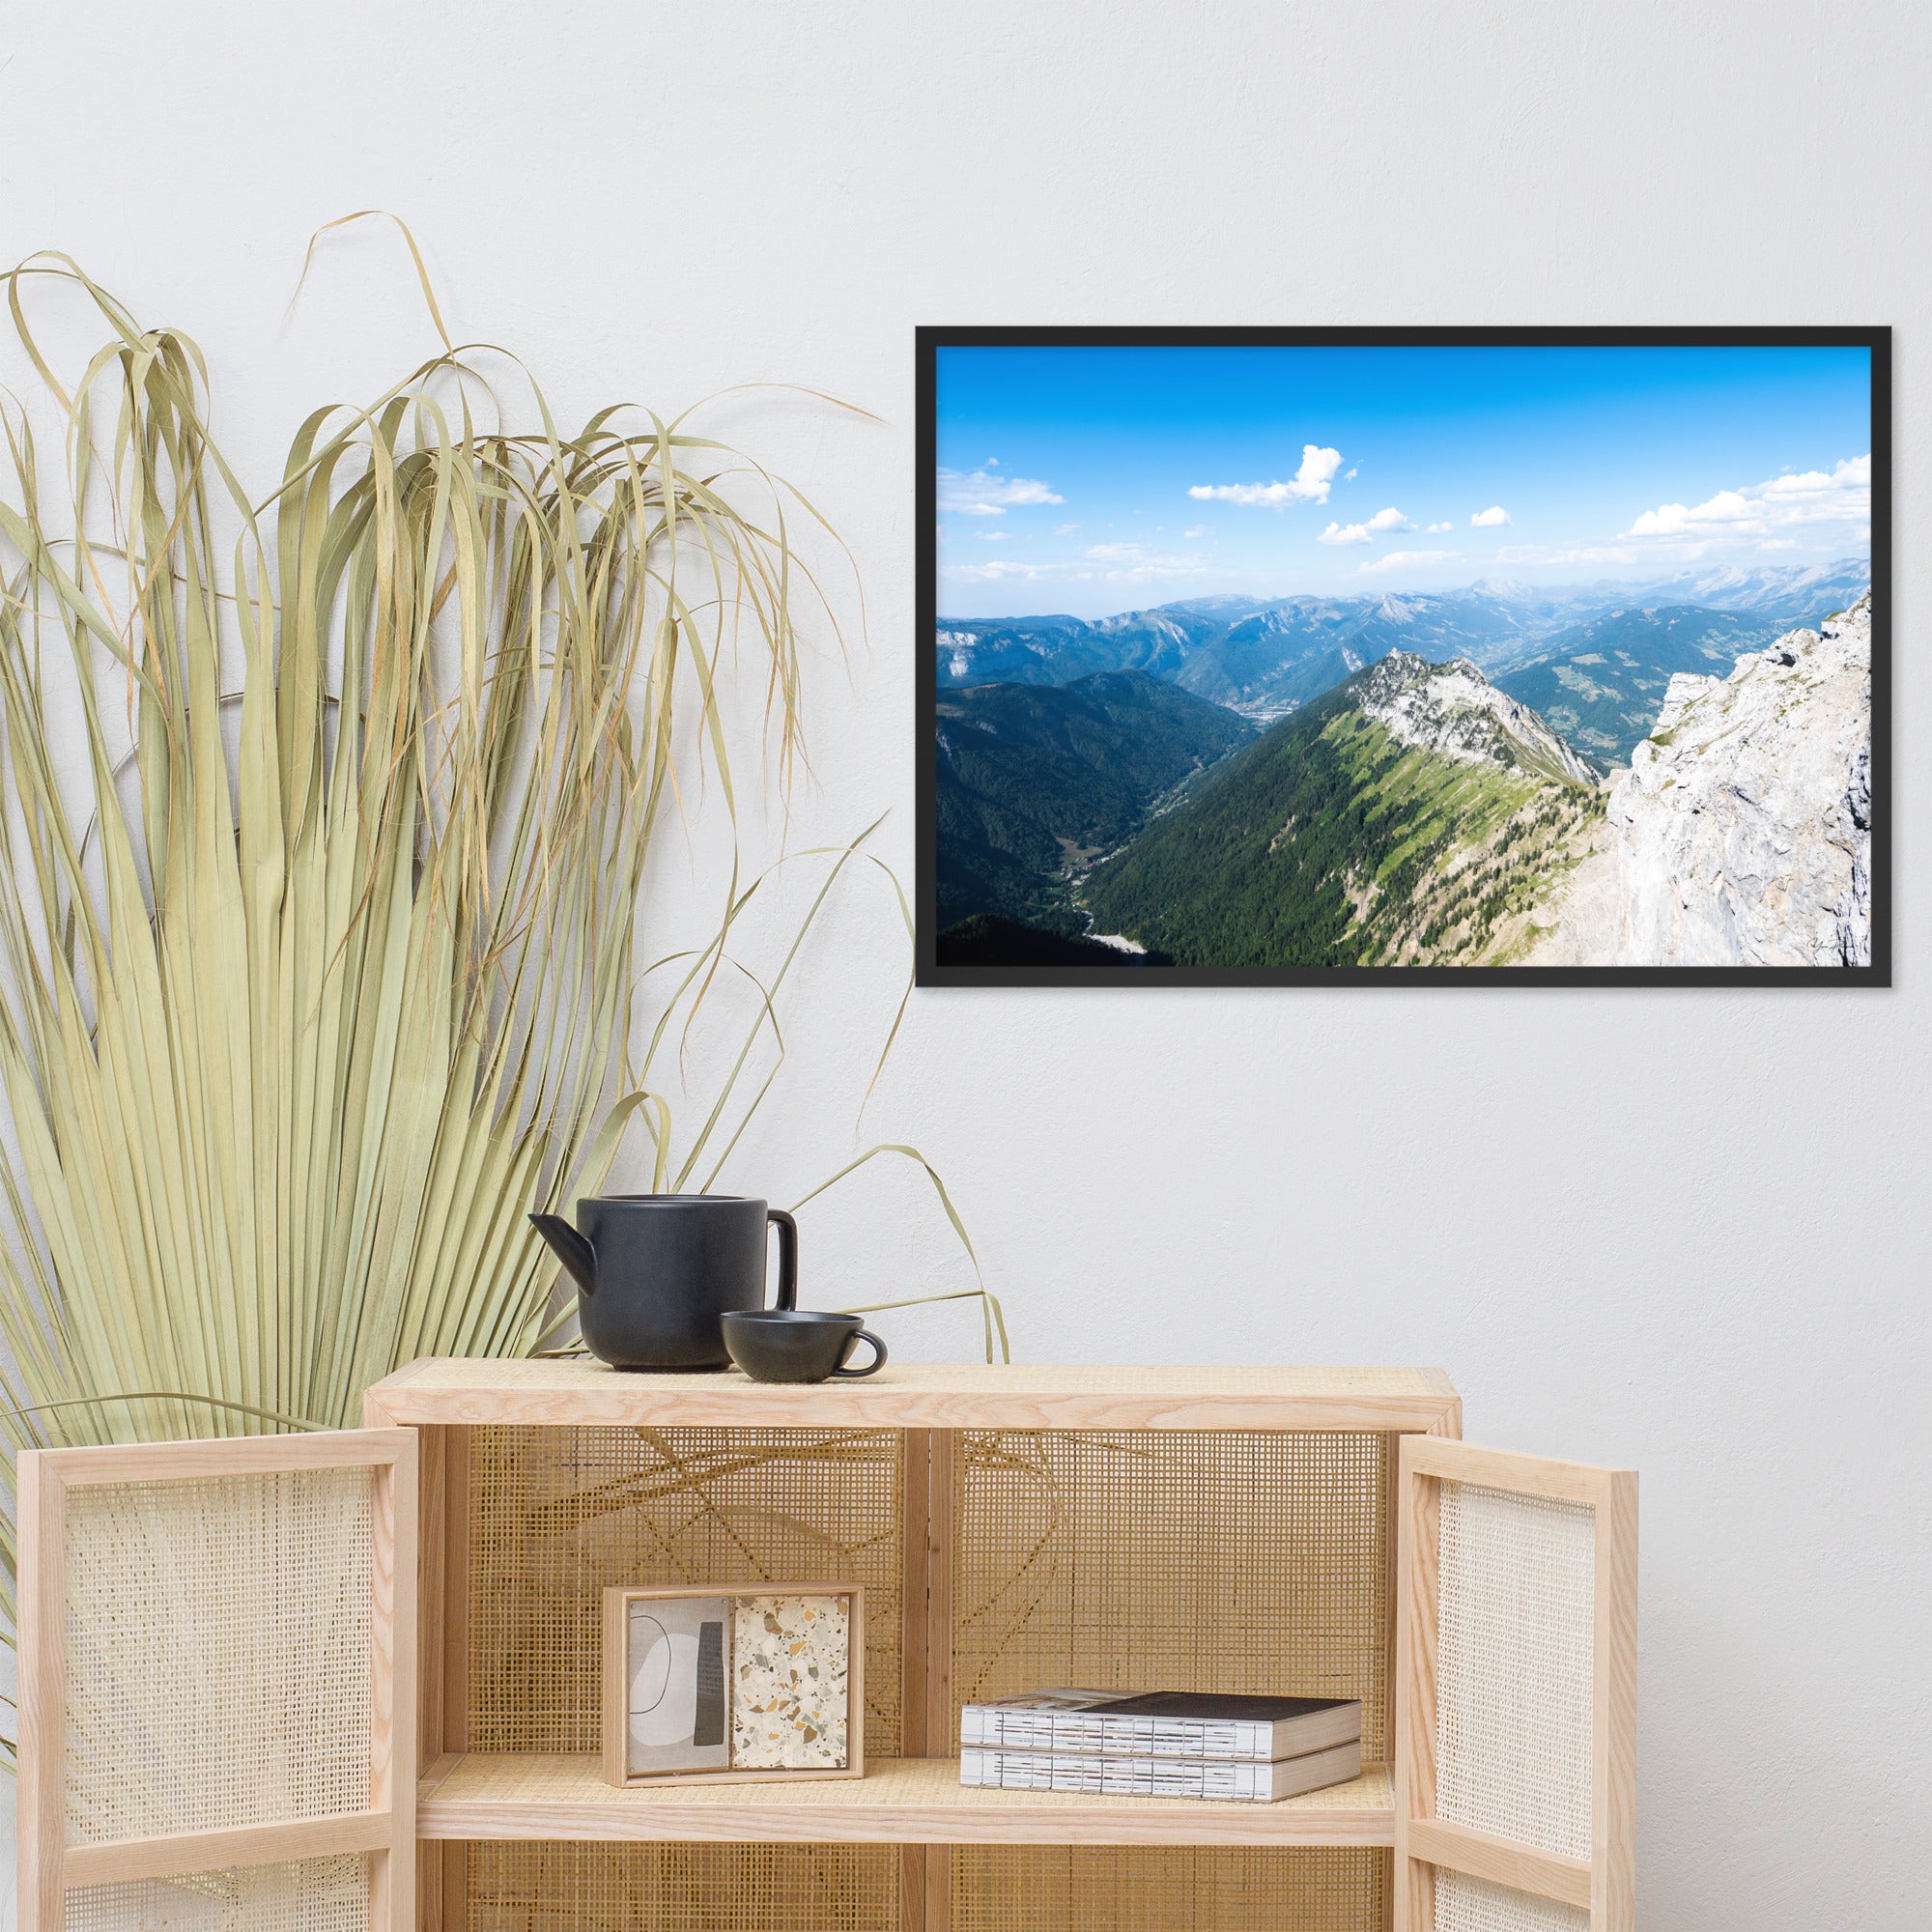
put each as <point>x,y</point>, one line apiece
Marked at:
<point>1346,656</point>
<point>764,1685</point>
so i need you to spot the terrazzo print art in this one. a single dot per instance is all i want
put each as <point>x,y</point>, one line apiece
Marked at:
<point>790,1663</point>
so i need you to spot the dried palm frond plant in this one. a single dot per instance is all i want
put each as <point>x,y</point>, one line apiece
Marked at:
<point>318,955</point>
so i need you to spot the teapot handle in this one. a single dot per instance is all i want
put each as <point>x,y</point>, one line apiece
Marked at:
<point>787,1257</point>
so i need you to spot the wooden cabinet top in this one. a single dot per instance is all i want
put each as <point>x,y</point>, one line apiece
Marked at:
<point>918,1395</point>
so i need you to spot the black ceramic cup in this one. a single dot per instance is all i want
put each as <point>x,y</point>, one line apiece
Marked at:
<point>792,1345</point>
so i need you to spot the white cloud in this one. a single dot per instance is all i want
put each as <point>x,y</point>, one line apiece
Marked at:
<point>1310,484</point>
<point>994,536</point>
<point>996,569</point>
<point>1406,559</point>
<point>1132,562</point>
<point>1853,473</point>
<point>1348,474</point>
<point>1064,530</point>
<point>1390,518</point>
<point>1115,562</point>
<point>1198,531</point>
<point>1440,530</point>
<point>1672,519</point>
<point>983,494</point>
<point>1841,494</point>
<point>1488,520</point>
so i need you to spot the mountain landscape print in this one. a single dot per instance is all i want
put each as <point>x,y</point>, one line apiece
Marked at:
<point>1279,657</point>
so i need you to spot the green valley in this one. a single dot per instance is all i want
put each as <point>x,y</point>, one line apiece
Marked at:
<point>1412,816</point>
<point>1602,684</point>
<point>1035,782</point>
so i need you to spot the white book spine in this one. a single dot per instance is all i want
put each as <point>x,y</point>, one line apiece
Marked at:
<point>1116,1777</point>
<point>1010,1728</point>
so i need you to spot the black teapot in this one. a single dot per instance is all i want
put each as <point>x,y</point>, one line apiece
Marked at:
<point>655,1272</point>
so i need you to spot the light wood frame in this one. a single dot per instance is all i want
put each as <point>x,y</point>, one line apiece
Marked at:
<point>49,1866</point>
<point>1603,1885</point>
<point>615,1727</point>
<point>921,1806</point>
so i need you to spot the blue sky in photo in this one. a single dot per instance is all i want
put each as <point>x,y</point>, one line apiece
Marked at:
<point>1096,480</point>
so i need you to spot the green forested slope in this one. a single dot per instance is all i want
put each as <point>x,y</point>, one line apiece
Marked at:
<point>1034,779</point>
<point>1329,842</point>
<point>1602,684</point>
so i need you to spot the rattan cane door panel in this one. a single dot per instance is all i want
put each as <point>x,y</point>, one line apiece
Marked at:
<point>1210,1560</point>
<point>1465,1904</point>
<point>218,1696</point>
<point>310,1895</point>
<point>206,1691</point>
<point>1513,1665</point>
<point>1516,1693</point>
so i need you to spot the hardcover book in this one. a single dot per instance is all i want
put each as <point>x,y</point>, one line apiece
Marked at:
<point>1242,1781</point>
<point>1162,1723</point>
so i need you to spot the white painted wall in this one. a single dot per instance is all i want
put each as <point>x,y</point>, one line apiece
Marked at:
<point>1683,1232</point>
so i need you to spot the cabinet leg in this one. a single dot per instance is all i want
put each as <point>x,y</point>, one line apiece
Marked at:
<point>912,1889</point>
<point>443,1873</point>
<point>938,1888</point>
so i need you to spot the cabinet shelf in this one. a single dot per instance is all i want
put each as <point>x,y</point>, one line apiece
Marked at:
<point>918,1395</point>
<point>898,1801</point>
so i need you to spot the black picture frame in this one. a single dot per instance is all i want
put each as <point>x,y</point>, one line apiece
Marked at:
<point>931,339</point>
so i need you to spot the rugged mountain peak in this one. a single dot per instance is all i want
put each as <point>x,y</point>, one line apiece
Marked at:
<point>1745,819</point>
<point>1454,710</point>
<point>1740,835</point>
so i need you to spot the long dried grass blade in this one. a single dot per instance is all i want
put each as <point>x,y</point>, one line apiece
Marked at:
<point>320,973</point>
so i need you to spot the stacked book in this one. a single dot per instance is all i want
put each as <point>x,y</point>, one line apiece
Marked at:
<point>1163,1744</point>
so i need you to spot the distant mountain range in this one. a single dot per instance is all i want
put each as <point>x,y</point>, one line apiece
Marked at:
<point>1266,657</point>
<point>1602,683</point>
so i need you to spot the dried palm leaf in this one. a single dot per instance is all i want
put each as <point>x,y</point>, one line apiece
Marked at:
<point>320,973</point>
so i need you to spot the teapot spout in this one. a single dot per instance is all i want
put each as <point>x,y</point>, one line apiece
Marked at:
<point>570,1248</point>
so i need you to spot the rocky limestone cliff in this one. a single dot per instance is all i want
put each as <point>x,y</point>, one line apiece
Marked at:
<point>1452,709</point>
<point>1740,835</point>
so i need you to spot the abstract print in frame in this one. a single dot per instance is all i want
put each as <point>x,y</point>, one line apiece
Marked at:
<point>1274,656</point>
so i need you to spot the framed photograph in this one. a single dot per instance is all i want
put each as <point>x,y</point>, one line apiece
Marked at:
<point>1258,656</point>
<point>755,1685</point>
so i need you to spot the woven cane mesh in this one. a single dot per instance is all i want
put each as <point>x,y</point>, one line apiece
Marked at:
<point>558,1514</point>
<point>1240,1561</point>
<point>313,1895</point>
<point>1465,1904</point>
<point>218,1652</point>
<point>538,1886</point>
<point>1120,1888</point>
<point>1513,1667</point>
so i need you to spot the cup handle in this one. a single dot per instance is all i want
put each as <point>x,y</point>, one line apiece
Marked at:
<point>787,1257</point>
<point>872,1367</point>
